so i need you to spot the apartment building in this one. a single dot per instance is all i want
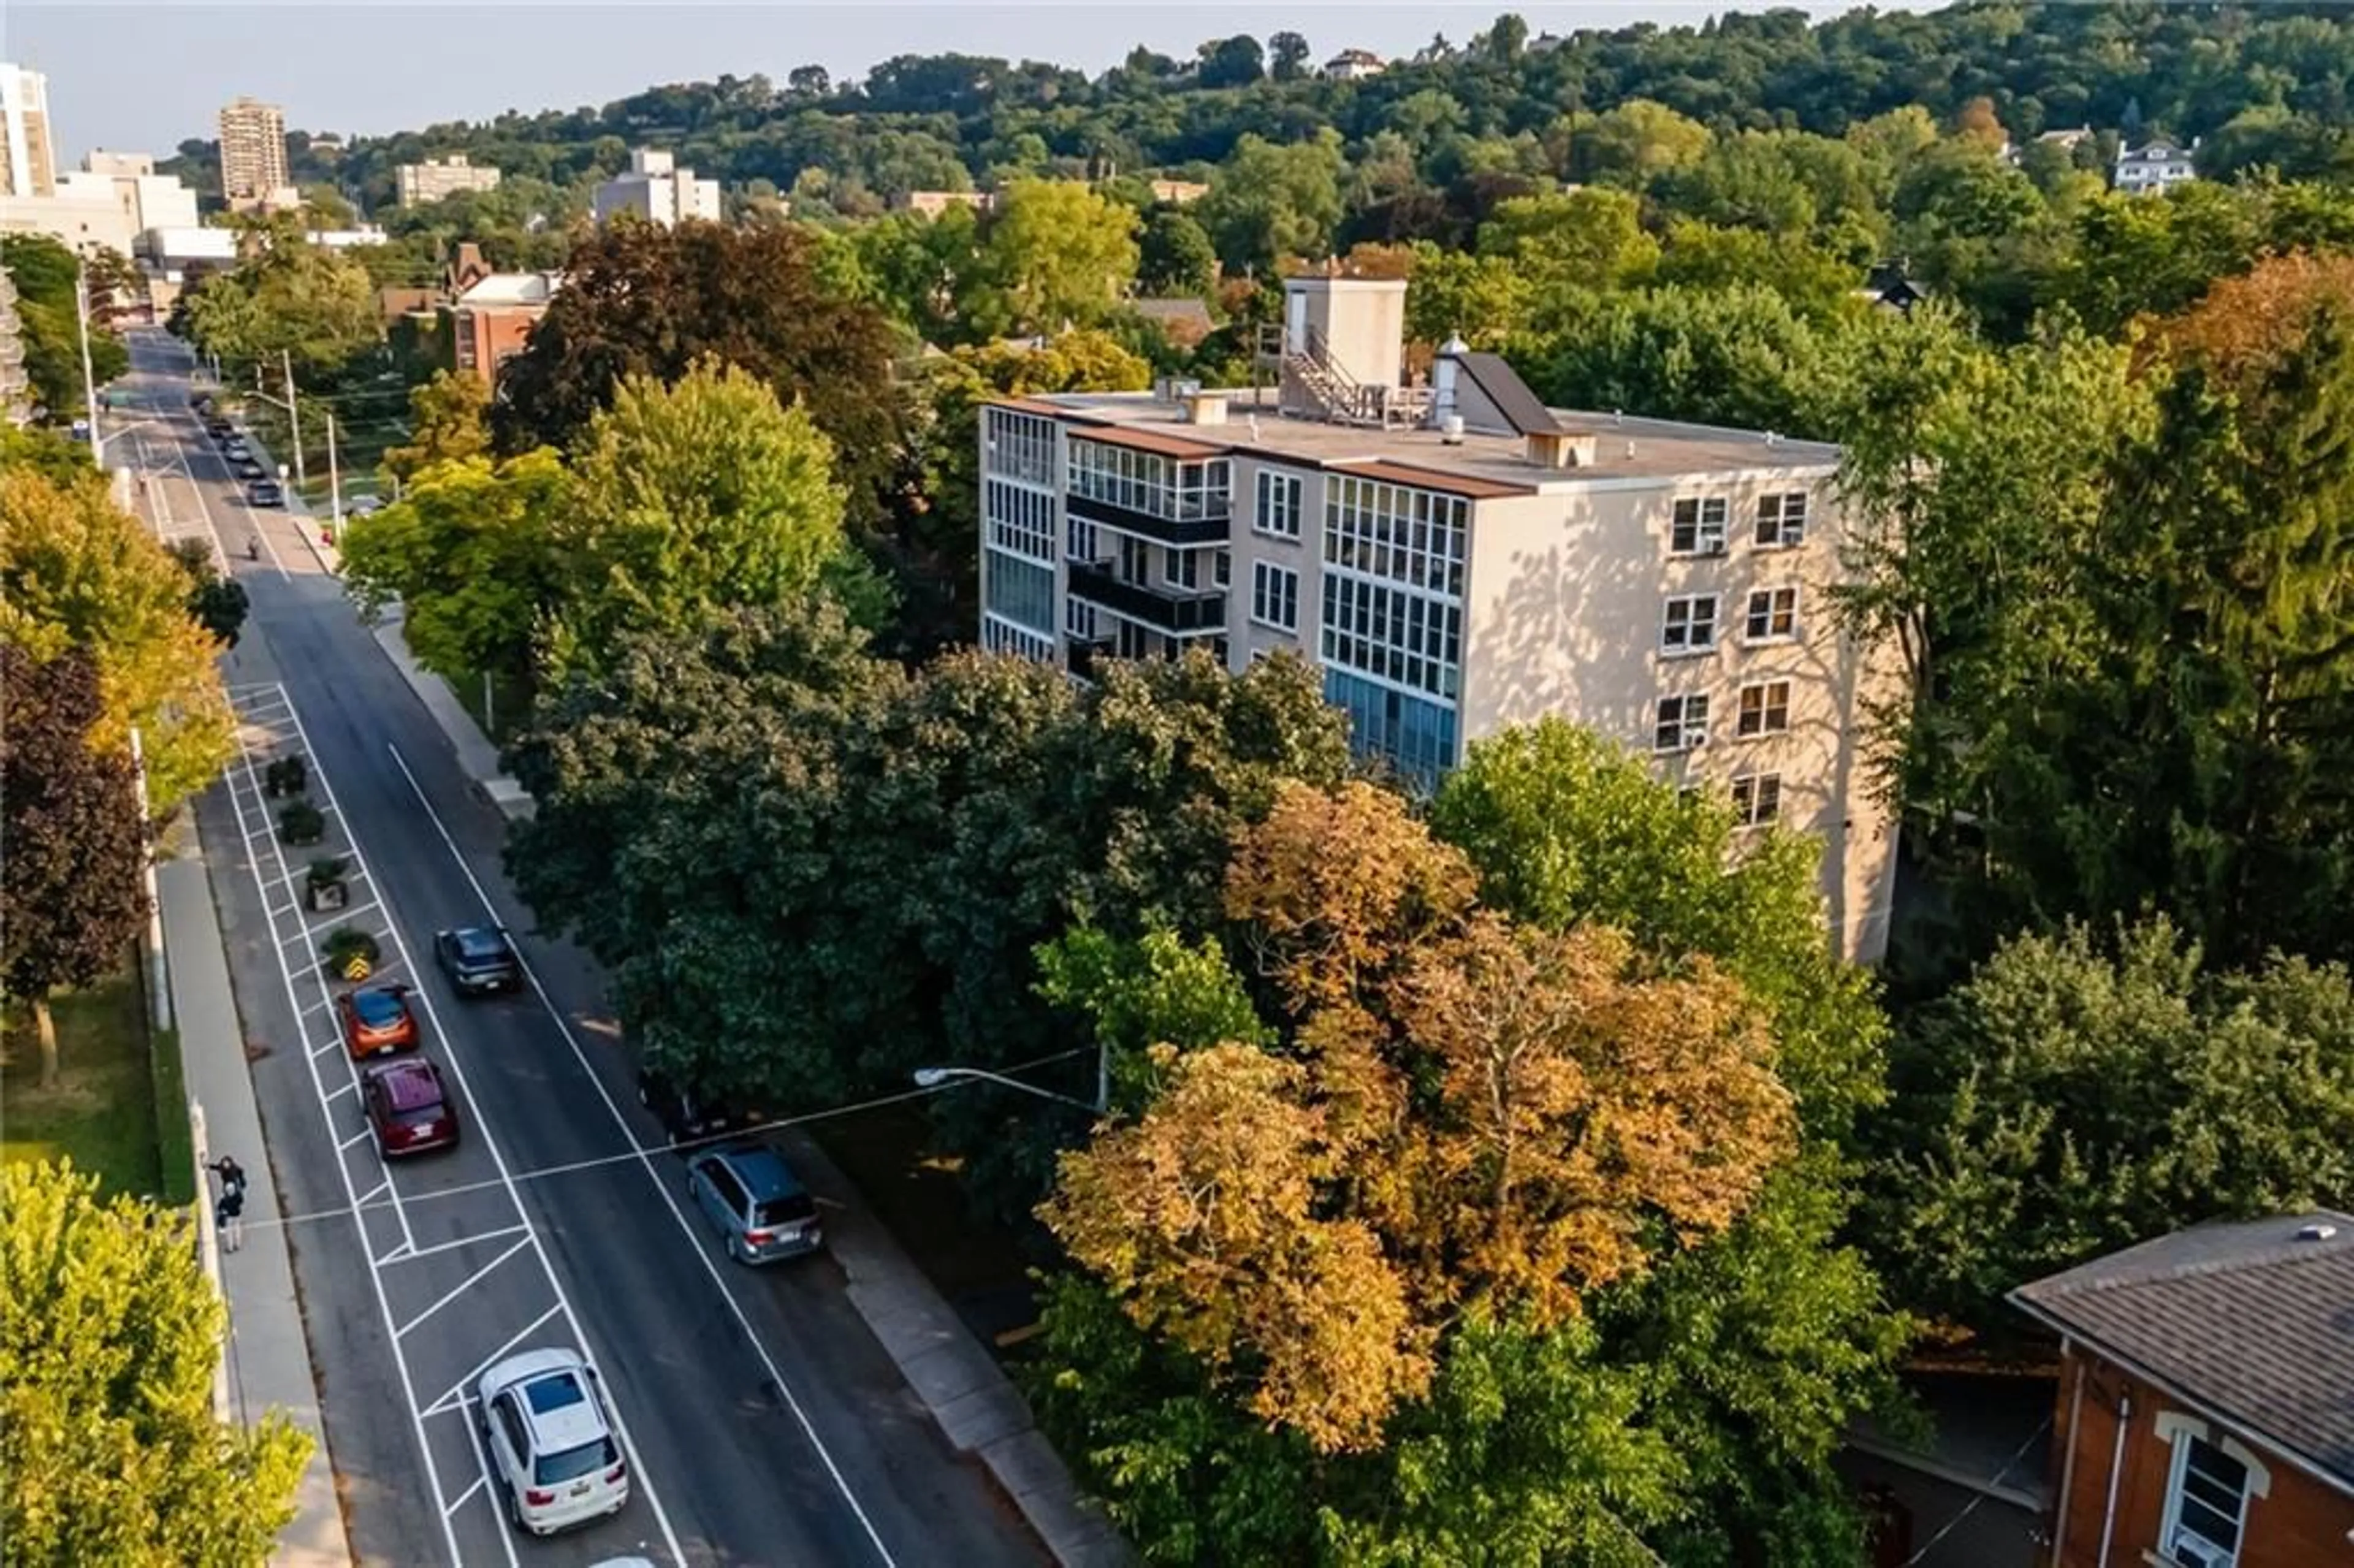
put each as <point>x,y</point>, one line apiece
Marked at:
<point>437,178</point>
<point>28,161</point>
<point>1456,558</point>
<point>253,153</point>
<point>656,190</point>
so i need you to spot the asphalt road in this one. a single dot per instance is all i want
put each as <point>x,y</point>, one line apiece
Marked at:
<point>764,1422</point>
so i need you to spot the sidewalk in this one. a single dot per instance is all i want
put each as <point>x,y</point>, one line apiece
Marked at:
<point>969,1394</point>
<point>268,1358</point>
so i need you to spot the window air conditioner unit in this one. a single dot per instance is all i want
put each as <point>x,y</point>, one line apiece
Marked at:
<point>1712,547</point>
<point>2196,1553</point>
<point>1695,738</point>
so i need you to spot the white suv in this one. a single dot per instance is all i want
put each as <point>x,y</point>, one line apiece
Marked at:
<point>550,1442</point>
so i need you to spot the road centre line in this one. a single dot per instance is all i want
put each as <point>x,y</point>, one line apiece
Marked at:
<point>498,1160</point>
<point>645,1163</point>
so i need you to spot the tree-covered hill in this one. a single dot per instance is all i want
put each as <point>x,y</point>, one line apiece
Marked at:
<point>2259,83</point>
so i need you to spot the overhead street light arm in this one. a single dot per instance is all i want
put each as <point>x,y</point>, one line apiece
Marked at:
<point>935,1077</point>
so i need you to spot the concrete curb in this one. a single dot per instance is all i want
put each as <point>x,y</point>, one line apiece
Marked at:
<point>267,1357</point>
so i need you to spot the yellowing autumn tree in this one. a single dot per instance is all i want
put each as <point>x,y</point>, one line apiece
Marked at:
<point>1469,1114</point>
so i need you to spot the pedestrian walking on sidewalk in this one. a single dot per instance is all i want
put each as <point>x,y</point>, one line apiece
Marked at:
<point>228,1209</point>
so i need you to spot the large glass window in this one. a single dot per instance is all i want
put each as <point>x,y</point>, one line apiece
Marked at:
<point>1392,600</point>
<point>1018,446</point>
<point>1764,709</point>
<point>1782,520</point>
<point>1415,733</point>
<point>1689,625</point>
<point>1158,486</point>
<point>1681,723</point>
<point>1022,591</point>
<point>1003,637</point>
<point>1697,527</point>
<point>1019,519</point>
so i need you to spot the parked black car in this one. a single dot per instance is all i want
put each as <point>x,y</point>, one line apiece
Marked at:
<point>248,468</point>
<point>264,493</point>
<point>686,1113</point>
<point>478,958</point>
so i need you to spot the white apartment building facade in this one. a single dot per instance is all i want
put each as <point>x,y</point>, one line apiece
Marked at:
<point>657,190</point>
<point>29,160</point>
<point>437,178</point>
<point>1458,559</point>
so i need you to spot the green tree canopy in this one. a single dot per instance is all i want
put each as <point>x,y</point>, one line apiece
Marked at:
<point>446,424</point>
<point>76,571</point>
<point>2087,1090</point>
<point>110,1451</point>
<point>1056,255</point>
<point>640,300</point>
<point>1272,201</point>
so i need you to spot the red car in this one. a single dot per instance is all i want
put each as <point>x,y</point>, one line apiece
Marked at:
<point>407,1108</point>
<point>377,1021</point>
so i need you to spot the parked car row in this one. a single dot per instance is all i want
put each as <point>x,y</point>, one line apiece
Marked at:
<point>261,490</point>
<point>546,1431</point>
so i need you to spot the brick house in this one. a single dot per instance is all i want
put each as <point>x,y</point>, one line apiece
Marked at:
<point>2205,1414</point>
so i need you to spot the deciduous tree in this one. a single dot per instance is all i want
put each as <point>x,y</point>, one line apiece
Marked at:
<point>110,1451</point>
<point>640,300</point>
<point>75,841</point>
<point>471,552</point>
<point>217,603</point>
<point>1057,255</point>
<point>78,572</point>
<point>446,424</point>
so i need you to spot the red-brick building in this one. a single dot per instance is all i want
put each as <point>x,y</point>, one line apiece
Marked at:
<point>489,322</point>
<point>2205,1415</point>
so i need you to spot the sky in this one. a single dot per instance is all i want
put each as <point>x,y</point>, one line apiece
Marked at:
<point>143,77</point>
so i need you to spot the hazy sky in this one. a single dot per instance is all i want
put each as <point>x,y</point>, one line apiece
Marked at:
<point>141,78</point>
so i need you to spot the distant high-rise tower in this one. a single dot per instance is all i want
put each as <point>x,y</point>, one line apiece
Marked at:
<point>252,150</point>
<point>28,164</point>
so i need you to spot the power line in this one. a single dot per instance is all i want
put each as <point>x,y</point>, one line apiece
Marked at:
<point>640,1152</point>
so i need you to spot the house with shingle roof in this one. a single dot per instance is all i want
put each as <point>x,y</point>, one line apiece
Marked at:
<point>2205,1410</point>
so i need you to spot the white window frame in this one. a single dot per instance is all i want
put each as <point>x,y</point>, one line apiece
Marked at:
<point>1699,524</point>
<point>1277,500</point>
<point>1690,723</point>
<point>1181,568</point>
<point>1275,591</point>
<point>1677,642</point>
<point>1741,726</point>
<point>2188,1435</point>
<point>1767,603</point>
<point>1781,520</point>
<point>1757,798</point>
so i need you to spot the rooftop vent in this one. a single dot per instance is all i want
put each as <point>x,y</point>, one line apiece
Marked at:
<point>1203,407</point>
<point>2319,1230</point>
<point>1559,449</point>
<point>1450,430</point>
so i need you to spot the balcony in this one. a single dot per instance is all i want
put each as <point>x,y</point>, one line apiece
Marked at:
<point>1206,525</point>
<point>1178,611</point>
<point>1082,658</point>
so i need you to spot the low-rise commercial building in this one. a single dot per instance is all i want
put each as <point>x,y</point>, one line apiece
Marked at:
<point>1458,559</point>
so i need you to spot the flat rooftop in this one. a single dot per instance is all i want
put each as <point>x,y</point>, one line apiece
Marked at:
<point>1625,447</point>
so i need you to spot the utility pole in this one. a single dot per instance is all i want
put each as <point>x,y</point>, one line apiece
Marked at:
<point>334,486</point>
<point>88,383</point>
<point>293,413</point>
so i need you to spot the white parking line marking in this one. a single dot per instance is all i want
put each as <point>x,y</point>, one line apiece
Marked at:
<point>458,1389</point>
<point>462,1498</point>
<point>362,1136</point>
<point>645,1161</point>
<point>460,1288</point>
<point>339,1093</point>
<point>344,1174</point>
<point>409,1254</point>
<point>488,1139</point>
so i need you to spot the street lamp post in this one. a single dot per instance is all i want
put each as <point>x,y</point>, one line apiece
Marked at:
<point>88,382</point>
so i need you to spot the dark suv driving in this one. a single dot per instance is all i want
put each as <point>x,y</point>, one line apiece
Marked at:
<point>477,959</point>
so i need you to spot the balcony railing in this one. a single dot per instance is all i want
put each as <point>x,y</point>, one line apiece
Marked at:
<point>1204,525</point>
<point>1172,610</point>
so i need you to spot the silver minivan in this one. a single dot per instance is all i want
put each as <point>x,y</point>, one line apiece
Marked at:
<point>759,1206</point>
